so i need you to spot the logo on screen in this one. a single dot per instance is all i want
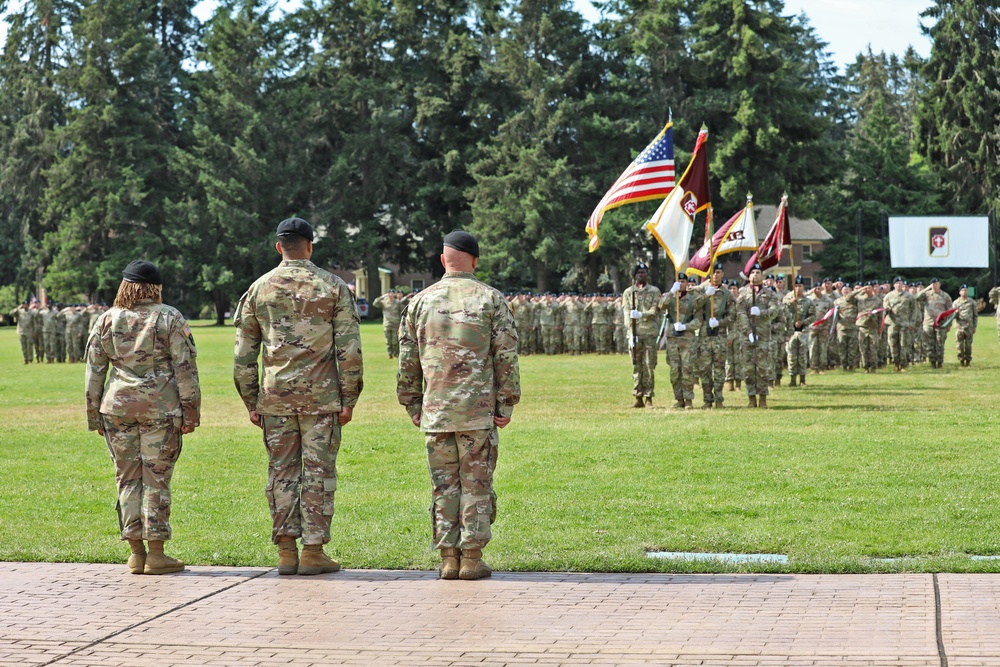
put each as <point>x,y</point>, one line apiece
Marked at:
<point>938,242</point>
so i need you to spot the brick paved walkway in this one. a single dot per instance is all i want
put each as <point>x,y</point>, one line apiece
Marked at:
<point>65,614</point>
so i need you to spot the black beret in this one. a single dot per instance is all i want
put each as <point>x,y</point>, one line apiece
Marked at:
<point>756,267</point>
<point>838,280</point>
<point>799,280</point>
<point>295,227</point>
<point>718,266</point>
<point>827,280</point>
<point>898,279</point>
<point>682,276</point>
<point>463,241</point>
<point>141,271</point>
<point>639,267</point>
<point>919,283</point>
<point>964,287</point>
<point>935,280</point>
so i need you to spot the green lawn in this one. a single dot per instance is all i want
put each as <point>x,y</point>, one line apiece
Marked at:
<point>850,470</point>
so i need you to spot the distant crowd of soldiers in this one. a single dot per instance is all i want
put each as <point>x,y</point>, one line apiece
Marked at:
<point>54,333</point>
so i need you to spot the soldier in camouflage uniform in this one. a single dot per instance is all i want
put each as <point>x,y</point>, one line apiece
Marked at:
<point>869,322</point>
<point>718,307</point>
<point>60,335</point>
<point>573,325</point>
<point>602,322</point>
<point>25,329</point>
<point>151,398</point>
<point>523,315</point>
<point>734,344</point>
<point>832,291</point>
<point>779,336</point>
<point>307,322</point>
<point>847,327</point>
<point>684,318</point>
<point>755,309</point>
<point>819,337</point>
<point>641,315</point>
<point>621,331</point>
<point>966,323</point>
<point>901,311</point>
<point>801,313</point>
<point>49,326</point>
<point>549,323</point>
<point>391,305</point>
<point>459,382</point>
<point>934,302</point>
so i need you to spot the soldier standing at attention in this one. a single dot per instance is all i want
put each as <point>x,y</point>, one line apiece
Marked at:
<point>50,315</point>
<point>683,311</point>
<point>459,382</point>
<point>900,311</point>
<point>642,325</point>
<point>734,343</point>
<point>934,302</point>
<point>819,337</point>
<point>151,398</point>
<point>966,323</point>
<point>868,325</point>
<point>801,313</point>
<point>756,307</point>
<point>713,335</point>
<point>311,378</point>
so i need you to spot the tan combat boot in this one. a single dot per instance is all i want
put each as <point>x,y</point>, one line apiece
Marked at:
<point>777,381</point>
<point>739,384</point>
<point>688,403</point>
<point>678,404</point>
<point>638,402</point>
<point>802,380</point>
<point>137,559</point>
<point>707,405</point>
<point>473,565</point>
<point>649,401</point>
<point>288,556</point>
<point>449,563</point>
<point>158,562</point>
<point>730,385</point>
<point>314,561</point>
<point>762,401</point>
<point>753,402</point>
<point>793,383</point>
<point>719,405</point>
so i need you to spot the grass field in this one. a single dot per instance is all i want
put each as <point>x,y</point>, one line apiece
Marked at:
<point>839,476</point>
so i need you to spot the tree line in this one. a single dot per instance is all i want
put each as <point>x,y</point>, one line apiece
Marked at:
<point>128,128</point>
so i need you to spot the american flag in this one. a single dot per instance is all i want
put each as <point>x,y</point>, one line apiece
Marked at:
<point>650,176</point>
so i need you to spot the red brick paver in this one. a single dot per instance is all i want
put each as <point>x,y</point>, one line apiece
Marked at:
<point>64,614</point>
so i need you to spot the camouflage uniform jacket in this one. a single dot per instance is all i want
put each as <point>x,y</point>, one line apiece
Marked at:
<point>767,301</point>
<point>153,370</point>
<point>49,320</point>
<point>574,313</point>
<point>392,310</point>
<point>901,309</point>
<point>685,308</point>
<point>967,317</point>
<point>307,322</point>
<point>646,300</point>
<point>933,304</point>
<point>25,320</point>
<point>458,356</point>
<point>720,305</point>
<point>800,309</point>
<point>847,311</point>
<point>866,304</point>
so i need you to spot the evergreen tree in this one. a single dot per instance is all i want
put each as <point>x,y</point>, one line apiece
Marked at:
<point>957,113</point>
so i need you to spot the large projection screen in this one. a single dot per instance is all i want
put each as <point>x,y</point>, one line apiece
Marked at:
<point>939,242</point>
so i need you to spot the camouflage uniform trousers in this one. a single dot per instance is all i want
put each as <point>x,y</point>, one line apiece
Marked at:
<point>734,359</point>
<point>797,351</point>
<point>550,340</point>
<point>833,351</point>
<point>26,348</point>
<point>757,367</point>
<point>51,351</point>
<point>602,338</point>
<point>573,339</point>
<point>621,338</point>
<point>818,347</point>
<point>963,343</point>
<point>712,366</point>
<point>868,344</point>
<point>900,345</point>
<point>391,338</point>
<point>643,366</point>
<point>777,353</point>
<point>38,342</point>
<point>72,354</point>
<point>681,354</point>
<point>60,348</point>
<point>301,475</point>
<point>934,341</point>
<point>463,504</point>
<point>883,346</point>
<point>847,340</point>
<point>144,454</point>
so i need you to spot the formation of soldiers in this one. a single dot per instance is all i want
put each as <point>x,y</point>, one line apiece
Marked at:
<point>54,333</point>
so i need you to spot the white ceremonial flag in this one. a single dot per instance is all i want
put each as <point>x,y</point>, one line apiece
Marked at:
<point>673,224</point>
<point>943,242</point>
